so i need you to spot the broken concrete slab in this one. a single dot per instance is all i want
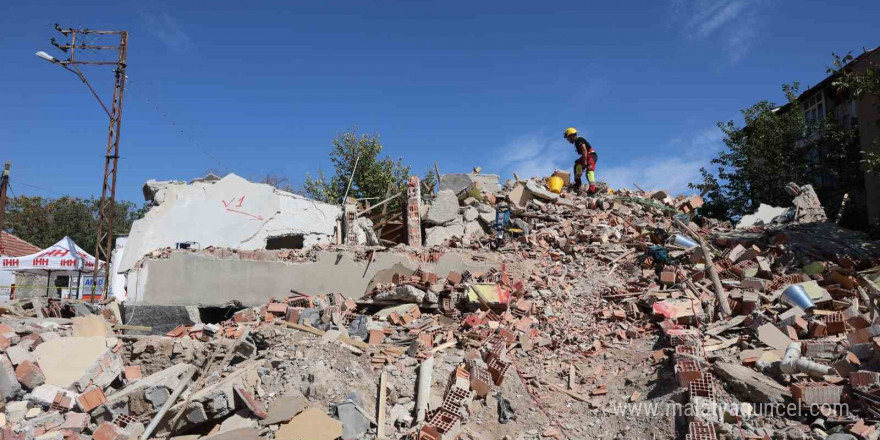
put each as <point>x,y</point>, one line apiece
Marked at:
<point>311,424</point>
<point>230,212</point>
<point>218,281</point>
<point>91,325</point>
<point>751,385</point>
<point>763,216</point>
<point>438,235</point>
<point>406,293</point>
<point>470,214</point>
<point>18,354</point>
<point>283,409</point>
<point>538,190</point>
<point>166,379</point>
<point>354,423</point>
<point>458,182</point>
<point>216,400</point>
<point>773,337</point>
<point>66,360</point>
<point>9,385</point>
<point>443,210</point>
<point>246,433</point>
<point>236,422</point>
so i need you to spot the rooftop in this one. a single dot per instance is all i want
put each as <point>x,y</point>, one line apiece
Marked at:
<point>12,246</point>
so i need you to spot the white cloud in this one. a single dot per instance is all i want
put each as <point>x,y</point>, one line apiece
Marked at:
<point>164,27</point>
<point>672,174</point>
<point>677,165</point>
<point>534,155</point>
<point>732,24</point>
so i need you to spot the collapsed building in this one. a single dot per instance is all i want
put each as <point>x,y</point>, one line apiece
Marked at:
<point>216,242</point>
<point>614,316</point>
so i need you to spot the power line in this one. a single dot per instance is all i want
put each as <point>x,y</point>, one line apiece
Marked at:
<point>41,188</point>
<point>175,126</point>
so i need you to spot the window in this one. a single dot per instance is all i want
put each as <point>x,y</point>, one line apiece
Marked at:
<point>854,111</point>
<point>814,108</point>
<point>293,241</point>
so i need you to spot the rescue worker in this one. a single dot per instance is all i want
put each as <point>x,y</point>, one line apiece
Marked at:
<point>586,161</point>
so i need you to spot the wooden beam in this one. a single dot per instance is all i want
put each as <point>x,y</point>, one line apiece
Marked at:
<point>380,419</point>
<point>309,329</point>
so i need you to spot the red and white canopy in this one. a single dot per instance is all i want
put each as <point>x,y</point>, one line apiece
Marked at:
<point>62,256</point>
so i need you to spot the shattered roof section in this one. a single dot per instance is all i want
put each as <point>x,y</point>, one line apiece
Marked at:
<point>230,212</point>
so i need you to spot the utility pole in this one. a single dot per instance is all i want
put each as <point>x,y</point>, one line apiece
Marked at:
<point>104,242</point>
<point>4,183</point>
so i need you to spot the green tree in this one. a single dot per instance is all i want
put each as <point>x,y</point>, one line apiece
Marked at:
<point>859,85</point>
<point>371,178</point>
<point>44,221</point>
<point>278,181</point>
<point>774,147</point>
<point>758,161</point>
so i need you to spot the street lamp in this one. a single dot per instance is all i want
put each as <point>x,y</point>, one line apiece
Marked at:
<point>76,72</point>
<point>47,57</point>
<point>104,244</point>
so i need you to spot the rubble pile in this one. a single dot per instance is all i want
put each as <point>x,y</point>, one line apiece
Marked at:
<point>600,304</point>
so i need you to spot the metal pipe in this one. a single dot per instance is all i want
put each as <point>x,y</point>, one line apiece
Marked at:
<point>426,371</point>
<point>184,382</point>
<point>720,293</point>
<point>350,179</point>
<point>793,363</point>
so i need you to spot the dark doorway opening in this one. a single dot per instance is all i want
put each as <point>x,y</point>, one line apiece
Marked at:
<point>292,241</point>
<point>216,315</point>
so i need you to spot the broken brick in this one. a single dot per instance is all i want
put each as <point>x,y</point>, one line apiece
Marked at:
<point>91,399</point>
<point>29,374</point>
<point>132,372</point>
<point>110,431</point>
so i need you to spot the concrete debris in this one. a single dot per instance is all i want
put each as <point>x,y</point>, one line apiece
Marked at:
<point>443,235</point>
<point>351,414</point>
<point>227,212</point>
<point>282,410</point>
<point>311,424</point>
<point>457,183</point>
<point>443,210</point>
<point>765,215</point>
<point>542,328</point>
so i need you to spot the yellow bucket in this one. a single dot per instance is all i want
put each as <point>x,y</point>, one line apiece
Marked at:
<point>555,184</point>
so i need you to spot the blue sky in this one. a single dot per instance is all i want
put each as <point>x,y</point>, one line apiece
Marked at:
<point>262,87</point>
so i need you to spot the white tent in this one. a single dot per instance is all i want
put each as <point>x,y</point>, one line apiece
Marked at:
<point>64,256</point>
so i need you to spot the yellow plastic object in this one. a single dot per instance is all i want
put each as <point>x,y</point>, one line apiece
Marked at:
<point>555,184</point>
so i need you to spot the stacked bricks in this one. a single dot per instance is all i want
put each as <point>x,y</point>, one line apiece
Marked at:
<point>864,379</point>
<point>686,339</point>
<point>745,269</point>
<point>700,431</point>
<point>816,393</point>
<point>780,281</point>
<point>497,369</point>
<point>350,223</point>
<point>684,351</point>
<point>820,349</point>
<point>445,422</point>
<point>704,387</point>
<point>750,301</point>
<point>834,323</point>
<point>413,212</point>
<point>480,380</point>
<point>686,371</point>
